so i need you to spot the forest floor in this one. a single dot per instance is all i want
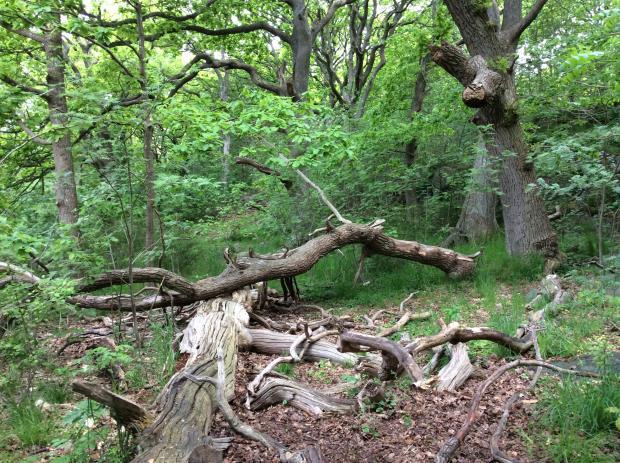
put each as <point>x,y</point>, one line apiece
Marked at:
<point>408,425</point>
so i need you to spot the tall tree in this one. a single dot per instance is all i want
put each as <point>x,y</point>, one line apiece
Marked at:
<point>488,75</point>
<point>48,38</point>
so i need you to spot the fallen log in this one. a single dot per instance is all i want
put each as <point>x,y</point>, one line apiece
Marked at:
<point>277,390</point>
<point>185,407</point>
<point>272,342</point>
<point>351,341</point>
<point>242,271</point>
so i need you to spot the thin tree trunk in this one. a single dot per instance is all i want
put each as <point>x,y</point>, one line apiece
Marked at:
<point>226,140</point>
<point>66,191</point>
<point>149,177</point>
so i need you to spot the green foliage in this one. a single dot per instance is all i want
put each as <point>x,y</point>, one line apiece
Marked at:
<point>30,424</point>
<point>579,415</point>
<point>286,369</point>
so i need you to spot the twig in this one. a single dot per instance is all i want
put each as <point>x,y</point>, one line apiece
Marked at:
<point>447,450</point>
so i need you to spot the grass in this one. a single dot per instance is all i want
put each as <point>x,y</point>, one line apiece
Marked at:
<point>575,420</point>
<point>31,425</point>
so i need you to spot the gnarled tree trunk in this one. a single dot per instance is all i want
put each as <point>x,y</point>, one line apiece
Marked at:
<point>489,81</point>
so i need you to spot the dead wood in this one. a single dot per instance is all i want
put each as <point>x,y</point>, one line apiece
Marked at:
<point>446,452</point>
<point>406,318</point>
<point>454,333</point>
<point>457,371</point>
<point>276,390</point>
<point>272,342</point>
<point>247,270</point>
<point>496,453</point>
<point>126,412</point>
<point>185,408</point>
<point>351,342</point>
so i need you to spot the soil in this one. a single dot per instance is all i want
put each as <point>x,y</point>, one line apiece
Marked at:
<point>410,428</point>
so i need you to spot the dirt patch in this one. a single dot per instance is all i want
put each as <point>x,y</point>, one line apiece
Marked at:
<point>410,430</point>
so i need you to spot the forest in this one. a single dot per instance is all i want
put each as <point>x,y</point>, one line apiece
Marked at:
<point>309,231</point>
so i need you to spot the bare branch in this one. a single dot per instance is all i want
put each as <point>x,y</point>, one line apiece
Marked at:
<point>513,33</point>
<point>33,136</point>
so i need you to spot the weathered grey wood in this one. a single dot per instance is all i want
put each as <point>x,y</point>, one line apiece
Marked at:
<point>276,390</point>
<point>458,369</point>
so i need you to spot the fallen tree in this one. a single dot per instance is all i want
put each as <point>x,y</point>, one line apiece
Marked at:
<point>246,270</point>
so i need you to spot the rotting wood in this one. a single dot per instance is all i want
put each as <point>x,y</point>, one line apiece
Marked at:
<point>276,390</point>
<point>126,412</point>
<point>350,341</point>
<point>458,369</point>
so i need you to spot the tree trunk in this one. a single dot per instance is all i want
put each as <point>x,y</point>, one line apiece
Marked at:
<point>302,49</point>
<point>149,161</point>
<point>66,191</point>
<point>187,403</point>
<point>488,78</point>
<point>477,219</point>
<point>411,147</point>
<point>226,140</point>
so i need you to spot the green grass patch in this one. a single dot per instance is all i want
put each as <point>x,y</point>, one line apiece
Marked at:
<point>576,419</point>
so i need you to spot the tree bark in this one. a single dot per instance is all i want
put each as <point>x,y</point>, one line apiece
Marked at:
<point>411,147</point>
<point>477,220</point>
<point>188,401</point>
<point>246,270</point>
<point>66,191</point>
<point>149,161</point>
<point>489,81</point>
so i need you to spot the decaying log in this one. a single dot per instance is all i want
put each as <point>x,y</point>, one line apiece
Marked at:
<point>457,371</point>
<point>126,412</point>
<point>446,452</point>
<point>185,407</point>
<point>271,342</point>
<point>276,390</point>
<point>221,396</point>
<point>248,270</point>
<point>351,341</point>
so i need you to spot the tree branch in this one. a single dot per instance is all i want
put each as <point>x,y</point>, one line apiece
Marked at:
<point>33,136</point>
<point>513,33</point>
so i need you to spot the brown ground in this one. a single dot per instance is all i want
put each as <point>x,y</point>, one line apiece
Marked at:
<point>412,432</point>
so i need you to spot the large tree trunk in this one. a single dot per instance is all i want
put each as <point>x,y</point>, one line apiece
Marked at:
<point>66,191</point>
<point>488,77</point>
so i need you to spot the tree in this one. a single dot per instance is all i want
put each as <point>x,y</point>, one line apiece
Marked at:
<point>49,42</point>
<point>488,76</point>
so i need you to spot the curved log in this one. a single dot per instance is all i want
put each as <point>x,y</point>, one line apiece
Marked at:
<point>350,340</point>
<point>275,391</point>
<point>247,270</point>
<point>454,334</point>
